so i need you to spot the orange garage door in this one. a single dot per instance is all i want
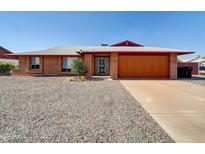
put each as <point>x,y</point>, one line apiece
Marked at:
<point>143,66</point>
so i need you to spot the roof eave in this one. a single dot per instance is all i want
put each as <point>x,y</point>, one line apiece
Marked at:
<point>185,53</point>
<point>178,52</point>
<point>99,51</point>
<point>43,55</point>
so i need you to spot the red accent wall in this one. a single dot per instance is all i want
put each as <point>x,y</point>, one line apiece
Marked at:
<point>127,43</point>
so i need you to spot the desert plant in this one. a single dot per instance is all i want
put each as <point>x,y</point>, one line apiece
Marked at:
<point>78,67</point>
<point>6,67</point>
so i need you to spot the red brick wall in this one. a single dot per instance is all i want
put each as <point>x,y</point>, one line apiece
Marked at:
<point>24,67</point>
<point>194,65</point>
<point>88,60</point>
<point>173,66</point>
<point>52,65</point>
<point>114,65</point>
<point>49,65</point>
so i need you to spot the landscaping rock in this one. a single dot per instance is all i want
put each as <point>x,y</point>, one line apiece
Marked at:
<point>53,109</point>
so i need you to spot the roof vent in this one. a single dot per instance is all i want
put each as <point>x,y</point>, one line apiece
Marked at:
<point>104,44</point>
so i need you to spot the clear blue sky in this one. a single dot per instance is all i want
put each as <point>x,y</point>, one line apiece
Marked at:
<point>28,31</point>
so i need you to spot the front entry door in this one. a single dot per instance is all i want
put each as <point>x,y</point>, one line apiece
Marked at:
<point>102,66</point>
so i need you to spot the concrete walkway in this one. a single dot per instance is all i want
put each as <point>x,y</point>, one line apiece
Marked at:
<point>178,106</point>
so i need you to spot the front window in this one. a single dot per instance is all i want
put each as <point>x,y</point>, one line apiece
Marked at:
<point>35,62</point>
<point>66,64</point>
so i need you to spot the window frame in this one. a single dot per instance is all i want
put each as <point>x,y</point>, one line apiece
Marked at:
<point>66,70</point>
<point>35,66</point>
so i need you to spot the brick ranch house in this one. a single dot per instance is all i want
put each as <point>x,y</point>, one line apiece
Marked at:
<point>122,60</point>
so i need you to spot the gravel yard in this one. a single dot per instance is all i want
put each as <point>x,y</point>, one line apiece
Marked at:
<point>52,109</point>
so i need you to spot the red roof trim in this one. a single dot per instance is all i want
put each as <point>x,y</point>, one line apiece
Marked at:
<point>127,43</point>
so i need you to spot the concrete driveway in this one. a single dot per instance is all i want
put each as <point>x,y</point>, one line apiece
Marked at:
<point>178,106</point>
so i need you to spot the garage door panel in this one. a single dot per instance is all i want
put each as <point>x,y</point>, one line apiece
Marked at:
<point>143,66</point>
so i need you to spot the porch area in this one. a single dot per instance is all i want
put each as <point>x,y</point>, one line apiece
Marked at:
<point>101,65</point>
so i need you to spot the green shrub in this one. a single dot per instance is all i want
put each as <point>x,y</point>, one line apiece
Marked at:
<point>6,67</point>
<point>78,67</point>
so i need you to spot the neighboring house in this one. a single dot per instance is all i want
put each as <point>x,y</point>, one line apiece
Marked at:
<point>7,58</point>
<point>196,63</point>
<point>4,52</point>
<point>122,60</point>
<point>203,64</point>
<point>200,61</point>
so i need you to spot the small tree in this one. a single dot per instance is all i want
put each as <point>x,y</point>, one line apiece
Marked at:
<point>78,67</point>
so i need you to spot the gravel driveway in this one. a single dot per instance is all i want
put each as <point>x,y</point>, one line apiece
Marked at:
<point>52,109</point>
